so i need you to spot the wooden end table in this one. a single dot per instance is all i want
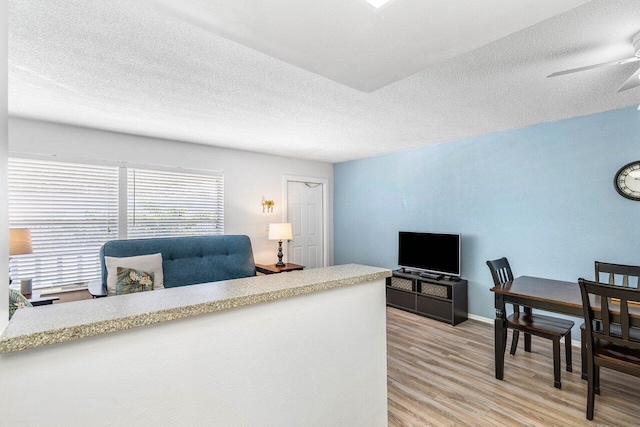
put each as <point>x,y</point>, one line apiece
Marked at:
<point>272,269</point>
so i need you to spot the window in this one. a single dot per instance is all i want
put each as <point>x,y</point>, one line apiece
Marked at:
<point>72,209</point>
<point>167,203</point>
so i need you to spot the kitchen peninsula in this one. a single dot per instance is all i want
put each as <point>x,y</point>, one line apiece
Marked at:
<point>305,348</point>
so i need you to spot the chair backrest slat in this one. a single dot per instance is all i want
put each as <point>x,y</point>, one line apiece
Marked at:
<point>500,271</point>
<point>624,319</point>
<point>501,274</point>
<point>604,310</point>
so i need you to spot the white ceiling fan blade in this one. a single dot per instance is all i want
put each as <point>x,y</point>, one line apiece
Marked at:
<point>590,67</point>
<point>633,81</point>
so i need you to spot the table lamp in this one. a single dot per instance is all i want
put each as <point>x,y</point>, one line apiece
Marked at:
<point>280,232</point>
<point>20,244</point>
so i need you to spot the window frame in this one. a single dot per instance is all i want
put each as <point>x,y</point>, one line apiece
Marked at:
<point>179,170</point>
<point>122,206</point>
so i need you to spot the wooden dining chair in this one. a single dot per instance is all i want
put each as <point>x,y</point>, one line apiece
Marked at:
<point>615,274</point>
<point>615,344</point>
<point>501,273</point>
<point>540,325</point>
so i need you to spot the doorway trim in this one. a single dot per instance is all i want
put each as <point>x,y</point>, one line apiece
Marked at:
<point>286,179</point>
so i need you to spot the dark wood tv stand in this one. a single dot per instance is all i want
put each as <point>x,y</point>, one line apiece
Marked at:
<point>438,298</point>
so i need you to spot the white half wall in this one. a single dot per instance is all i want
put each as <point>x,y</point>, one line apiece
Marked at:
<point>312,360</point>
<point>247,176</point>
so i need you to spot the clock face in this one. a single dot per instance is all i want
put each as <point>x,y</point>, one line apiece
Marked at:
<point>627,181</point>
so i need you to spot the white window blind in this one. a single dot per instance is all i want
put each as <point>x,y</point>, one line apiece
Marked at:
<point>170,203</point>
<point>71,210</point>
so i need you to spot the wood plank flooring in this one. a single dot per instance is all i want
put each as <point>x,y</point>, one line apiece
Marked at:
<point>71,296</point>
<point>440,375</point>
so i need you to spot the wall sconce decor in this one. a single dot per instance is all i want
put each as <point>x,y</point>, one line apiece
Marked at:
<point>267,205</point>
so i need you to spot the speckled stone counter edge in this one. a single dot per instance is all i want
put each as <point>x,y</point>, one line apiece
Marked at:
<point>53,336</point>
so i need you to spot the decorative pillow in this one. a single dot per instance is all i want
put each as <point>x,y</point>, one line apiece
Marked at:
<point>131,280</point>
<point>16,301</point>
<point>150,263</point>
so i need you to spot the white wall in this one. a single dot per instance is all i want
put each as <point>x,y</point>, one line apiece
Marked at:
<point>248,176</point>
<point>4,224</point>
<point>312,360</point>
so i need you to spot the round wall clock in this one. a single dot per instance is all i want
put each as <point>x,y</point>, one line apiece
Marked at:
<point>627,181</point>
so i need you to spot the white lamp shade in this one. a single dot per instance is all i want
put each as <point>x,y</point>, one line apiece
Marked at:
<point>20,241</point>
<point>280,231</point>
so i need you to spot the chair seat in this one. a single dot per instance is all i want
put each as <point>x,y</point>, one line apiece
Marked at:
<point>540,324</point>
<point>620,354</point>
<point>634,334</point>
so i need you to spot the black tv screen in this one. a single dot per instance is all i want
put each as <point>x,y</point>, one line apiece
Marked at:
<point>433,252</point>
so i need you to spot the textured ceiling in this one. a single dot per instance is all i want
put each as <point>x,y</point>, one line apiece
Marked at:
<point>355,44</point>
<point>136,67</point>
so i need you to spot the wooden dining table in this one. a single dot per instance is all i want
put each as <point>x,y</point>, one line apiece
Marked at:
<point>545,294</point>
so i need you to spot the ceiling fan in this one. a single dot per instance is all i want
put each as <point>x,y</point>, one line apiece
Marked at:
<point>633,81</point>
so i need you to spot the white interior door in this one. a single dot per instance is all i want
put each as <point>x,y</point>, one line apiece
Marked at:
<point>305,213</point>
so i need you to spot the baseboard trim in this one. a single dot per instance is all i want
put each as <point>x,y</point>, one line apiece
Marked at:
<point>574,343</point>
<point>480,318</point>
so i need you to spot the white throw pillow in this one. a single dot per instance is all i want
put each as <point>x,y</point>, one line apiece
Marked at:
<point>150,263</point>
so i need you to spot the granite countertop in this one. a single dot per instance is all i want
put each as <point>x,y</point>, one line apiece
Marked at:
<point>30,328</point>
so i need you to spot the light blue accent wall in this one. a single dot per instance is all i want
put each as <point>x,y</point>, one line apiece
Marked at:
<point>542,196</point>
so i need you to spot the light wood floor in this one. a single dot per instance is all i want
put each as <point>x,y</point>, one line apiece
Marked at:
<point>71,296</point>
<point>440,375</point>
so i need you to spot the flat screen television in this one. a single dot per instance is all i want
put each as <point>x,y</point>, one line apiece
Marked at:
<point>430,252</point>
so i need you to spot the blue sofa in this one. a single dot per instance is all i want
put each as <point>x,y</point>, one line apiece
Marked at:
<point>185,260</point>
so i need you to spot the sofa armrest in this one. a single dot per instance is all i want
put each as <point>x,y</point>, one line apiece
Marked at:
<point>97,289</point>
